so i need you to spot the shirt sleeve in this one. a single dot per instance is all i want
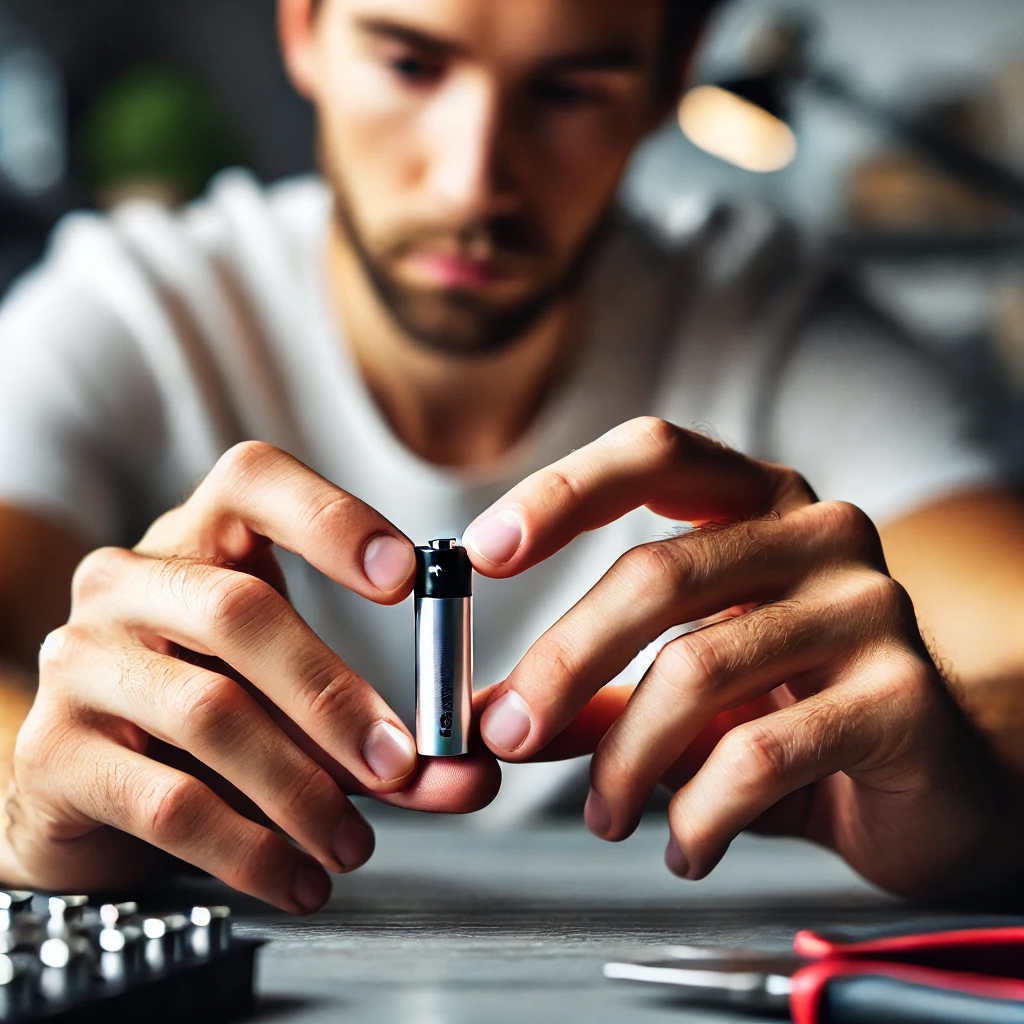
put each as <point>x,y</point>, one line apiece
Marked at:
<point>868,417</point>
<point>76,405</point>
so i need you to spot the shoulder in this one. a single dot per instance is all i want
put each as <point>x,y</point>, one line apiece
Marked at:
<point>239,217</point>
<point>720,249</point>
<point>739,279</point>
<point>111,259</point>
<point>870,415</point>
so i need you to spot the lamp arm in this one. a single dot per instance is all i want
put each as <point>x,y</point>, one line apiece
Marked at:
<point>981,174</point>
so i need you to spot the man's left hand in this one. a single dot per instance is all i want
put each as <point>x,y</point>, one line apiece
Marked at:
<point>808,706</point>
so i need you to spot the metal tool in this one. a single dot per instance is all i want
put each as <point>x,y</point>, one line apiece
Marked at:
<point>974,971</point>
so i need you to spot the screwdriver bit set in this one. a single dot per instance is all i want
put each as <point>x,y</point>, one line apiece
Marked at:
<point>64,959</point>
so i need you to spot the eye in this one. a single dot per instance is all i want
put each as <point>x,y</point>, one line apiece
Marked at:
<point>561,92</point>
<point>414,69</point>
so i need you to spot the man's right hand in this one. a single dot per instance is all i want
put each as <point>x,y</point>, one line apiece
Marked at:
<point>186,704</point>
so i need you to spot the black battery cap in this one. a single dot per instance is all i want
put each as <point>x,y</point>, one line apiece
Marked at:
<point>443,569</point>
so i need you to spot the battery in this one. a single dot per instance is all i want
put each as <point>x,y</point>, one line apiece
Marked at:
<point>444,648</point>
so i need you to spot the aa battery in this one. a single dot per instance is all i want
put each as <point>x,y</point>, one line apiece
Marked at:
<point>444,648</point>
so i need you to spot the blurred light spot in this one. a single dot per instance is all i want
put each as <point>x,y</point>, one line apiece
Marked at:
<point>736,130</point>
<point>33,152</point>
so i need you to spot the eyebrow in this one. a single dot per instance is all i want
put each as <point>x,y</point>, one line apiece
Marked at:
<point>384,28</point>
<point>613,57</point>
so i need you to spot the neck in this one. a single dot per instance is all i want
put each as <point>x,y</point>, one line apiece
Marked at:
<point>451,410</point>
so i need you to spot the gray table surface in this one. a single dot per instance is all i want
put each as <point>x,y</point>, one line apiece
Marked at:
<point>451,923</point>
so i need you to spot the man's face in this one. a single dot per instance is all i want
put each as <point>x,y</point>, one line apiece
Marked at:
<point>473,147</point>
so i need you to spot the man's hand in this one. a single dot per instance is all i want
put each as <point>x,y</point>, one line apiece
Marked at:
<point>183,661</point>
<point>808,706</point>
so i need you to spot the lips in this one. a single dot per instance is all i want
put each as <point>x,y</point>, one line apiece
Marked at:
<point>448,270</point>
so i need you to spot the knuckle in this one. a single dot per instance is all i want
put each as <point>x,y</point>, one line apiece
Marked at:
<point>889,595</point>
<point>612,770</point>
<point>96,573</point>
<point>658,438</point>
<point>38,741</point>
<point>885,606</point>
<point>333,693</point>
<point>560,488</point>
<point>208,705</point>
<point>332,517</point>
<point>312,795</point>
<point>756,755</point>
<point>661,565</point>
<point>692,665</point>
<point>171,810</point>
<point>904,614</point>
<point>63,648</point>
<point>910,685</point>
<point>235,601</point>
<point>552,660</point>
<point>240,461</point>
<point>919,683</point>
<point>262,862</point>
<point>852,527</point>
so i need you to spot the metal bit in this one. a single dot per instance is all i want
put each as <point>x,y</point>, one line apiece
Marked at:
<point>113,913</point>
<point>15,900</point>
<point>166,939</point>
<point>67,913</point>
<point>66,968</point>
<point>15,986</point>
<point>212,929</point>
<point>71,908</point>
<point>121,953</point>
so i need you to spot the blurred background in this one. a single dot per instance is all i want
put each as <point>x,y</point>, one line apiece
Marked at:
<point>900,144</point>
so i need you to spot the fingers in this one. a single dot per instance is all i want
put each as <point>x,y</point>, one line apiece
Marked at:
<point>759,763</point>
<point>178,814</point>
<point>674,472</point>
<point>245,622</point>
<point>653,588</point>
<point>878,767</point>
<point>214,718</point>
<point>692,680</point>
<point>257,494</point>
<point>450,785</point>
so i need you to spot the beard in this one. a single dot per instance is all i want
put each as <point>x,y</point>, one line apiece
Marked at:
<point>459,321</point>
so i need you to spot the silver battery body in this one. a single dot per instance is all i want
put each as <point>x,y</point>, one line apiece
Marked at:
<point>444,675</point>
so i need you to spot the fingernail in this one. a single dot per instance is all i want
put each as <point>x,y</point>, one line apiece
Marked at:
<point>675,859</point>
<point>505,724</point>
<point>596,815</point>
<point>310,888</point>
<point>389,752</point>
<point>353,841</point>
<point>388,562</point>
<point>495,537</point>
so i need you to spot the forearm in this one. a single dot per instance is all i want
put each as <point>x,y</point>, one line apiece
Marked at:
<point>996,706</point>
<point>962,561</point>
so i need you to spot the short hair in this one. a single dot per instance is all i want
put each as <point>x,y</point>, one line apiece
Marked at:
<point>684,22</point>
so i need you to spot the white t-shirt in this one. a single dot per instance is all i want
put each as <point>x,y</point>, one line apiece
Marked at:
<point>149,342</point>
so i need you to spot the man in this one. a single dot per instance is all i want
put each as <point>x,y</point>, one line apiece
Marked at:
<point>431,341</point>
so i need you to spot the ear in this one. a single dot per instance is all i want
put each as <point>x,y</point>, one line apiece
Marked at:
<point>296,26</point>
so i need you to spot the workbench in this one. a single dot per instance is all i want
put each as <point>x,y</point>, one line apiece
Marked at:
<point>452,923</point>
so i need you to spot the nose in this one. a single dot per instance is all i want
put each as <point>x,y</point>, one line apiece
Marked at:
<point>464,137</point>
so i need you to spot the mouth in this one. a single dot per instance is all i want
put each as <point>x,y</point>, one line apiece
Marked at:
<point>436,269</point>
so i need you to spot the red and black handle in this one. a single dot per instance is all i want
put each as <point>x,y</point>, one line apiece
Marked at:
<point>963,976</point>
